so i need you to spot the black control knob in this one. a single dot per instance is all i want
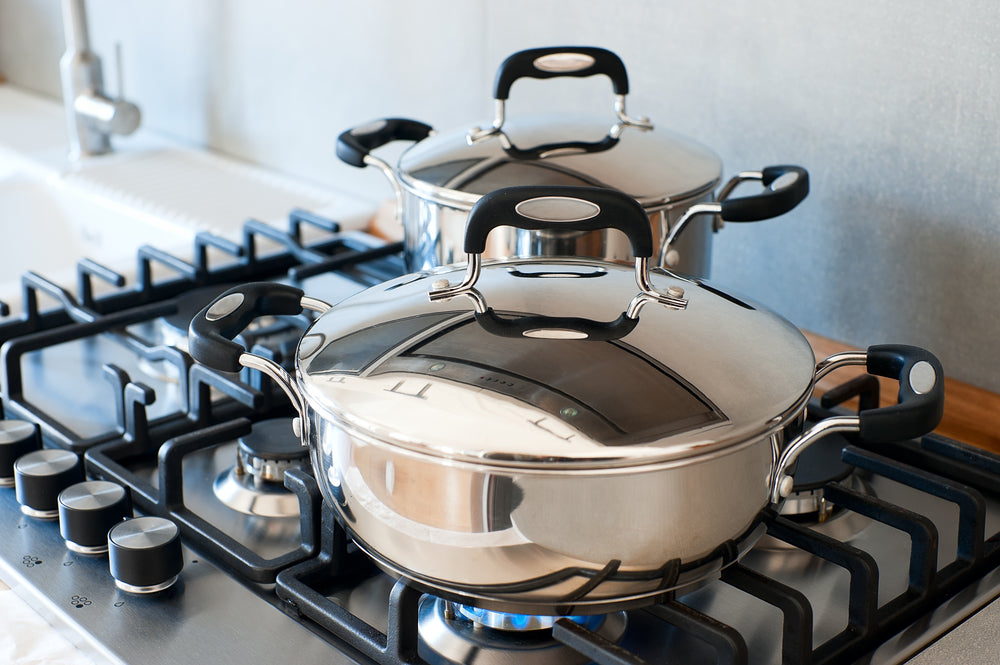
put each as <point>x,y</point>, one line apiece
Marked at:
<point>145,554</point>
<point>17,438</point>
<point>39,476</point>
<point>88,510</point>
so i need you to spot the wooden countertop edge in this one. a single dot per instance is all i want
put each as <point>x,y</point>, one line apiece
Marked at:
<point>971,414</point>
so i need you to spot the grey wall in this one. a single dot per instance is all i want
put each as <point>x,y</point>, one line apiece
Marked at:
<point>894,107</point>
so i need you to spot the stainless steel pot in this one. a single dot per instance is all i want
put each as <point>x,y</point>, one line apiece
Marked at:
<point>554,436</point>
<point>440,177</point>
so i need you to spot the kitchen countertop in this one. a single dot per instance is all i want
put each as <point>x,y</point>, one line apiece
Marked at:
<point>28,639</point>
<point>976,641</point>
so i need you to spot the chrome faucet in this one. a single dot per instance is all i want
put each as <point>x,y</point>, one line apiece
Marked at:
<point>92,116</point>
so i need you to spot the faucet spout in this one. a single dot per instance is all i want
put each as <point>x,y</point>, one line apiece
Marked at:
<point>91,114</point>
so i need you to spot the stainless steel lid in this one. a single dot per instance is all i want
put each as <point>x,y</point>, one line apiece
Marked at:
<point>499,375</point>
<point>653,166</point>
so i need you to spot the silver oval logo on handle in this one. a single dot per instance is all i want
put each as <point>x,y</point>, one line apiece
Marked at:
<point>559,63</point>
<point>225,306</point>
<point>557,209</point>
<point>922,377</point>
<point>370,128</point>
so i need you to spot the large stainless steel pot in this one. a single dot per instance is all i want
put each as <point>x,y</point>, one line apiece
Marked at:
<point>553,436</point>
<point>440,177</point>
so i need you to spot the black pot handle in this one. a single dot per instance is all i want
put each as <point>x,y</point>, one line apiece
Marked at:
<point>353,145</point>
<point>557,61</point>
<point>774,201</point>
<point>555,327</point>
<point>213,329</point>
<point>918,411</point>
<point>551,208</point>
<point>921,393</point>
<point>786,187</point>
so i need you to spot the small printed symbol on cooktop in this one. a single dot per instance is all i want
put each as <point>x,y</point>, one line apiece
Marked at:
<point>68,563</point>
<point>31,561</point>
<point>80,602</point>
<point>119,603</point>
<point>22,525</point>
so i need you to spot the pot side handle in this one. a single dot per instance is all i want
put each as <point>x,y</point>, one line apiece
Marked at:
<point>213,329</point>
<point>918,411</point>
<point>785,187</point>
<point>354,145</point>
<point>921,394</point>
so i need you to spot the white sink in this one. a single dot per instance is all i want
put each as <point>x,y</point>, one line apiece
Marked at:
<point>48,225</point>
<point>149,191</point>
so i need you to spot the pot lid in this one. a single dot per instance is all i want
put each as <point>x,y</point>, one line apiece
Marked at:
<point>555,363</point>
<point>652,166</point>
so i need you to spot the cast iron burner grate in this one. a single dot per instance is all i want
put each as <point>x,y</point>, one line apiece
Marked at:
<point>305,587</point>
<point>203,420</point>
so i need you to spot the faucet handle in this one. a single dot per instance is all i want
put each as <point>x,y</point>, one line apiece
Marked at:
<point>110,115</point>
<point>114,116</point>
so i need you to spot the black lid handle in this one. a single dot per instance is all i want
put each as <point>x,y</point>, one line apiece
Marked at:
<point>558,61</point>
<point>561,61</point>
<point>559,208</point>
<point>551,208</point>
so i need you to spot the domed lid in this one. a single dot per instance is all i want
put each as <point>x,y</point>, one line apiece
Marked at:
<point>618,152</point>
<point>652,166</point>
<point>558,362</point>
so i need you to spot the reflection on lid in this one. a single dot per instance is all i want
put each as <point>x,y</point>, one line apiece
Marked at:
<point>481,176</point>
<point>607,390</point>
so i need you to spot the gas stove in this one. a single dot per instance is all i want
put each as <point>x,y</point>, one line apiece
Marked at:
<point>232,556</point>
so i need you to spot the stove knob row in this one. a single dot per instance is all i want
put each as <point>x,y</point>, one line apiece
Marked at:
<point>17,438</point>
<point>95,516</point>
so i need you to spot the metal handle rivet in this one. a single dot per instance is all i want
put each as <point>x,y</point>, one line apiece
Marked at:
<point>785,486</point>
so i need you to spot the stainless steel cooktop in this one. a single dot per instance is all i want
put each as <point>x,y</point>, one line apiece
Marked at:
<point>889,553</point>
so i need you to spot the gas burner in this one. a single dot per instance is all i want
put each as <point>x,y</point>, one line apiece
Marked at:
<point>453,633</point>
<point>807,505</point>
<point>255,486</point>
<point>818,466</point>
